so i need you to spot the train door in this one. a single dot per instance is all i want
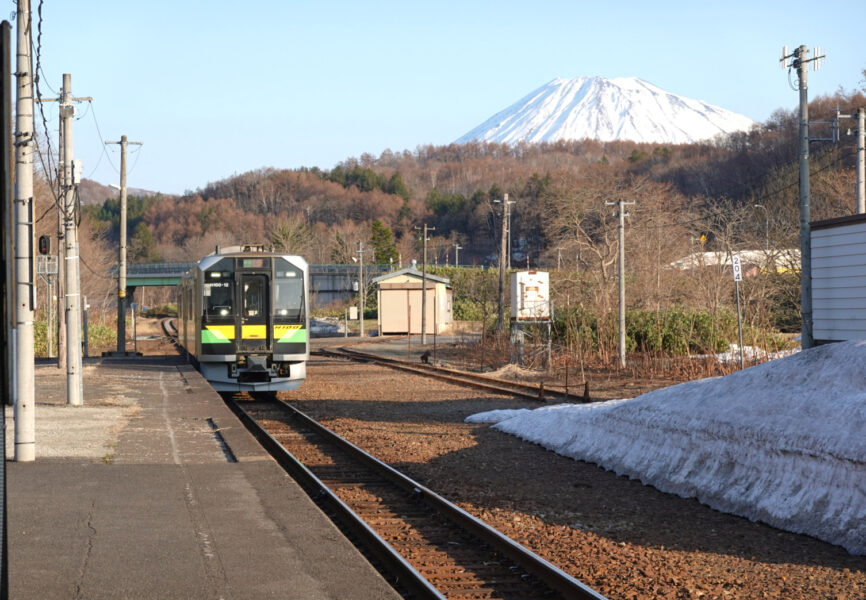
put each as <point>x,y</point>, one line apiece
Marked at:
<point>255,315</point>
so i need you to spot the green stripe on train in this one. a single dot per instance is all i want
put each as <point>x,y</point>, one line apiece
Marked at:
<point>293,335</point>
<point>209,336</point>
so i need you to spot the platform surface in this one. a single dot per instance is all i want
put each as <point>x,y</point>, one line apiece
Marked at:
<point>153,489</point>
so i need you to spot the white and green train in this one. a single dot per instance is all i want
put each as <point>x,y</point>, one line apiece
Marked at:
<point>243,319</point>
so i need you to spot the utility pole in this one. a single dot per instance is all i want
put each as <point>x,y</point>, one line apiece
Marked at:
<point>861,157</point>
<point>504,260</point>
<point>507,224</point>
<point>25,300</point>
<point>424,285</point>
<point>6,135</point>
<point>621,269</point>
<point>861,153</point>
<point>361,290</point>
<point>799,62</point>
<point>7,280</point>
<point>121,270</point>
<point>861,160</point>
<point>70,176</point>
<point>457,249</point>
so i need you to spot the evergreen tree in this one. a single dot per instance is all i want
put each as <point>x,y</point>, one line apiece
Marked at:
<point>142,246</point>
<point>396,185</point>
<point>384,248</point>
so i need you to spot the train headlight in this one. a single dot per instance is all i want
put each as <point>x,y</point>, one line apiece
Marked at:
<point>283,312</point>
<point>224,312</point>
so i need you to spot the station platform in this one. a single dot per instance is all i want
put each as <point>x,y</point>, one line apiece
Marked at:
<point>153,489</point>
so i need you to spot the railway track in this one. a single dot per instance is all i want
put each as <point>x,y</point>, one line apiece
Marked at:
<point>522,390</point>
<point>432,548</point>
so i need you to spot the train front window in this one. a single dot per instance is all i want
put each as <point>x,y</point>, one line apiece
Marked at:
<point>289,291</point>
<point>254,297</point>
<point>218,294</point>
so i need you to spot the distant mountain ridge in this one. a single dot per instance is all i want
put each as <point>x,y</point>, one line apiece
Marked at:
<point>624,108</point>
<point>94,193</point>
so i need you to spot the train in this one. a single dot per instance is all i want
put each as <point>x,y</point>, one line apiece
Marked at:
<point>243,319</point>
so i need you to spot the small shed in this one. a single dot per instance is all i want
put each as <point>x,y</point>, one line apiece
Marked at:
<point>839,279</point>
<point>400,300</point>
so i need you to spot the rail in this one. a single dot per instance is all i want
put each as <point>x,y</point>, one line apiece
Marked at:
<point>513,388</point>
<point>486,573</point>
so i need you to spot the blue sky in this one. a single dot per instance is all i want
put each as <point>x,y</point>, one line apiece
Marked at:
<point>214,88</point>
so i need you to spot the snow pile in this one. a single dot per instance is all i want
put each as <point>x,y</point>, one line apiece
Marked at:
<point>496,416</point>
<point>782,442</point>
<point>624,108</point>
<point>751,353</point>
<point>325,327</point>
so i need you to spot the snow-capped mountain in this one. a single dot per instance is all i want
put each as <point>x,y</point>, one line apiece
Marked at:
<point>624,108</point>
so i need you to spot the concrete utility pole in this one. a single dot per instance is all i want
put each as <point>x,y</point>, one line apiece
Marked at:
<point>508,226</point>
<point>621,274</point>
<point>361,291</point>
<point>861,159</point>
<point>25,301</point>
<point>799,63</point>
<point>121,270</point>
<point>457,249</point>
<point>68,186</point>
<point>861,153</point>
<point>503,261</point>
<point>7,280</point>
<point>424,285</point>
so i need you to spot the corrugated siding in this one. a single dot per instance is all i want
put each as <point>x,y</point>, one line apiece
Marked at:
<point>839,282</point>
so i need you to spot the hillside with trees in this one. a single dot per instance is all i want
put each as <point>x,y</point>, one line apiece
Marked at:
<point>739,192</point>
<point>454,188</point>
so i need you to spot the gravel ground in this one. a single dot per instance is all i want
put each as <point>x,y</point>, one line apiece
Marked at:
<point>626,540</point>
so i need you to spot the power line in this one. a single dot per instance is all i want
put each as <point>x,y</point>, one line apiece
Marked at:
<point>102,137</point>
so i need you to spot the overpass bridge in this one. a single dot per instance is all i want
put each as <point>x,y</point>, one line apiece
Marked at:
<point>328,283</point>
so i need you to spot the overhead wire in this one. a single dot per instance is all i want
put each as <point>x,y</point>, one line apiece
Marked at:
<point>101,137</point>
<point>137,153</point>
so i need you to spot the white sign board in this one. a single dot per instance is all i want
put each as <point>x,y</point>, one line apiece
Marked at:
<point>738,269</point>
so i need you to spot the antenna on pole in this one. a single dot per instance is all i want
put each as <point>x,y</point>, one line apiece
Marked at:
<point>782,64</point>
<point>817,58</point>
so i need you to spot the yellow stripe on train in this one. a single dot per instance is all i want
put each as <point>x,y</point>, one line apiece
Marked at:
<point>254,332</point>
